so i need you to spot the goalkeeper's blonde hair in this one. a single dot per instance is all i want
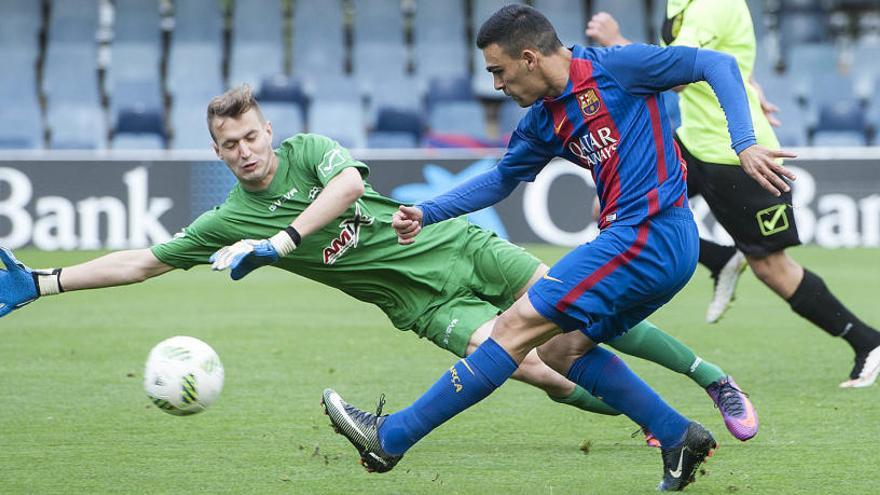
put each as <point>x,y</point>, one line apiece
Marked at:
<point>233,103</point>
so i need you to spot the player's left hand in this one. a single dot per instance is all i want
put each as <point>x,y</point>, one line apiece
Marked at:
<point>244,257</point>
<point>17,284</point>
<point>760,164</point>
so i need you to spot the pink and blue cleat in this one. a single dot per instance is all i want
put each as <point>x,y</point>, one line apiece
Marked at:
<point>736,408</point>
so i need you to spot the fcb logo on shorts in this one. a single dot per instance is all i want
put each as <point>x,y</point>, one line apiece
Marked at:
<point>589,102</point>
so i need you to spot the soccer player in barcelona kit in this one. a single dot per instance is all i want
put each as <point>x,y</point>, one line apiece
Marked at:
<point>462,274</point>
<point>597,108</point>
<point>762,225</point>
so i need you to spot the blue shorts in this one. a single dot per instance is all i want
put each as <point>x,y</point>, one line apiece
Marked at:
<point>609,285</point>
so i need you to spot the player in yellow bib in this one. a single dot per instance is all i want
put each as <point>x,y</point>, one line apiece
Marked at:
<point>761,224</point>
<point>309,204</point>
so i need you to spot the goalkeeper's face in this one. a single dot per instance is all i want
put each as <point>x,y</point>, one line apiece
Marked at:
<point>244,143</point>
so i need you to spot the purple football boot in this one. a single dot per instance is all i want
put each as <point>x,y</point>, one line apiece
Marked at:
<point>736,408</point>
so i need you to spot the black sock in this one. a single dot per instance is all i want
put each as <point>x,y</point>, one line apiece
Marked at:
<point>714,256</point>
<point>816,303</point>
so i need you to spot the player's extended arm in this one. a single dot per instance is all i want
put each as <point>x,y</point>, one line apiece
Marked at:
<point>247,255</point>
<point>722,73</point>
<point>474,194</point>
<point>20,285</point>
<point>647,70</point>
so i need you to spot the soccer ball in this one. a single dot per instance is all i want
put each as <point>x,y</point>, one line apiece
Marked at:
<point>183,376</point>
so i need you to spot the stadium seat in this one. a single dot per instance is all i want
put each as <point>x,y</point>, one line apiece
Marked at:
<point>378,22</point>
<point>189,126</point>
<point>198,21</point>
<point>195,57</point>
<point>458,117</point>
<point>144,95</point>
<point>339,120</point>
<point>71,74</point>
<point>195,71</point>
<point>286,118</point>
<point>251,62</point>
<point>567,16</point>
<point>129,61</point>
<point>483,9</point>
<point>795,120</point>
<point>18,79</point>
<point>258,21</point>
<point>318,42</point>
<point>20,24</point>
<point>391,140</point>
<point>392,120</point>
<point>435,59</point>
<point>379,47</point>
<point>138,128</point>
<point>375,64</point>
<point>136,21</point>
<point>329,87</point>
<point>74,126</point>
<point>401,92</point>
<point>842,116</point>
<point>799,27</point>
<point>450,88</point>
<point>257,42</point>
<point>20,125</point>
<point>137,142</point>
<point>838,139</point>
<point>440,42</point>
<point>282,88</point>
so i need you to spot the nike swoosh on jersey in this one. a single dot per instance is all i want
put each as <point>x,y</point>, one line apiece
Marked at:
<point>557,127</point>
<point>552,279</point>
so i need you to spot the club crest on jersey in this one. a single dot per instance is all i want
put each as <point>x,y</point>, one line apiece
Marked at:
<point>589,102</point>
<point>348,237</point>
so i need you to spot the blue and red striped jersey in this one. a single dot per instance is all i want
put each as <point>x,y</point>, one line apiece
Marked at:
<point>610,120</point>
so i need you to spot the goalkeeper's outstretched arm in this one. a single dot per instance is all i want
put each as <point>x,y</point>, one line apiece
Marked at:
<point>118,268</point>
<point>20,285</point>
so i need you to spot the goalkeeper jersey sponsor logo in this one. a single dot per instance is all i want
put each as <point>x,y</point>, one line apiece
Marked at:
<point>331,160</point>
<point>281,200</point>
<point>348,237</point>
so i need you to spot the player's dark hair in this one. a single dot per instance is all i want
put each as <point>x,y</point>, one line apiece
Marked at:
<point>518,27</point>
<point>233,103</point>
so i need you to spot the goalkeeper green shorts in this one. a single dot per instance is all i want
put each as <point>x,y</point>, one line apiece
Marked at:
<point>484,282</point>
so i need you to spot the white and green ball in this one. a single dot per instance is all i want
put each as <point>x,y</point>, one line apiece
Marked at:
<point>183,375</point>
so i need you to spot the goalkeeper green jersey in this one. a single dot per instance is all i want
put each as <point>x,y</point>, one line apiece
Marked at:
<point>724,26</point>
<point>357,253</point>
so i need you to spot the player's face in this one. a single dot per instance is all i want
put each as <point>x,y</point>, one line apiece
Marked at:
<point>517,77</point>
<point>245,144</point>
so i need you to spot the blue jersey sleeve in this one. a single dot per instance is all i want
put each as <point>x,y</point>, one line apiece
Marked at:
<point>474,194</point>
<point>524,158</point>
<point>648,69</point>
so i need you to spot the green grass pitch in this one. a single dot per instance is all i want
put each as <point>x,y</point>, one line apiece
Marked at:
<point>74,418</point>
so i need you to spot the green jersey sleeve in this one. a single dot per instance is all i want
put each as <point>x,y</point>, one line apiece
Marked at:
<point>194,244</point>
<point>321,156</point>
